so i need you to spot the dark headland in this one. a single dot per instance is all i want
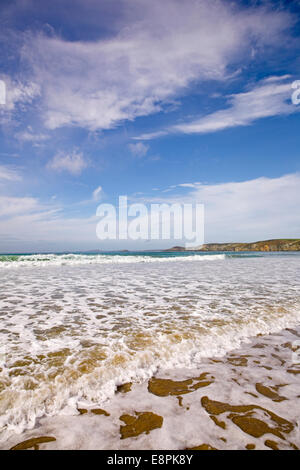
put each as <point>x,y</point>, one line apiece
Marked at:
<point>280,244</point>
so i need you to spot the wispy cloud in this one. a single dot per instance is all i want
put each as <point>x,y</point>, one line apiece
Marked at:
<point>29,135</point>
<point>249,210</point>
<point>152,135</point>
<point>97,193</point>
<point>101,83</point>
<point>26,222</point>
<point>10,206</point>
<point>258,208</point>
<point>244,211</point>
<point>269,97</point>
<point>19,95</point>
<point>139,149</point>
<point>73,162</point>
<point>9,173</point>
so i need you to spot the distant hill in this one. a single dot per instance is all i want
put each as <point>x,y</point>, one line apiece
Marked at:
<point>176,248</point>
<point>280,244</point>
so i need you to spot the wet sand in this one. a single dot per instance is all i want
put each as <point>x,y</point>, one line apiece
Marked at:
<point>248,399</point>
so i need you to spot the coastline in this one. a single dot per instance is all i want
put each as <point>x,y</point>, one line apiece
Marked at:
<point>263,246</point>
<point>246,399</point>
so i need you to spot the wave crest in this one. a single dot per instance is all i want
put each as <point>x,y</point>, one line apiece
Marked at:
<point>77,259</point>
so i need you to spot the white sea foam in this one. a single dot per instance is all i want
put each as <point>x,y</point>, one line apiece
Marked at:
<point>74,332</point>
<point>77,259</point>
<point>266,360</point>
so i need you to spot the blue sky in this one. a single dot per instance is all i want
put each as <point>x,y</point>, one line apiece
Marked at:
<point>161,101</point>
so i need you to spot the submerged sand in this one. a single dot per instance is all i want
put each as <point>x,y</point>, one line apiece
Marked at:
<point>248,399</point>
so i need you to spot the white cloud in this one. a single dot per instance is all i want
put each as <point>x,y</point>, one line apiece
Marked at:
<point>73,162</point>
<point>30,136</point>
<point>9,173</point>
<point>26,224</point>
<point>188,185</point>
<point>276,78</point>
<point>139,149</point>
<point>10,206</point>
<point>151,135</point>
<point>271,97</point>
<point>17,97</point>
<point>97,193</point>
<point>259,208</point>
<point>98,84</point>
<point>250,210</point>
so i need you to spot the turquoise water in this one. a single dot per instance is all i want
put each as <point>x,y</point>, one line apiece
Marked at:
<point>44,257</point>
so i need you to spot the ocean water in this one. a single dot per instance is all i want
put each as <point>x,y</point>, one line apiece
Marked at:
<point>75,326</point>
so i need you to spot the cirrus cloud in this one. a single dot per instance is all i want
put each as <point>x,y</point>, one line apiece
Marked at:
<point>73,162</point>
<point>97,193</point>
<point>9,173</point>
<point>139,149</point>
<point>269,97</point>
<point>98,84</point>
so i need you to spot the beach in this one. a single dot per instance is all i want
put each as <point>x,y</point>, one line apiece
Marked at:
<point>146,351</point>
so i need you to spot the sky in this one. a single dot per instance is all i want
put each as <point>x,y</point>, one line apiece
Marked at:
<point>162,101</point>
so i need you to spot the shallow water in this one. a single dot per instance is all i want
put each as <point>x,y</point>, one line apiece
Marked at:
<point>247,399</point>
<point>72,328</point>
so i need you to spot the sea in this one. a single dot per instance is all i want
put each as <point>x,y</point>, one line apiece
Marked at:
<point>75,327</point>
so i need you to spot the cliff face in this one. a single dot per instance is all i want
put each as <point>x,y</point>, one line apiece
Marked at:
<point>281,244</point>
<point>266,245</point>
